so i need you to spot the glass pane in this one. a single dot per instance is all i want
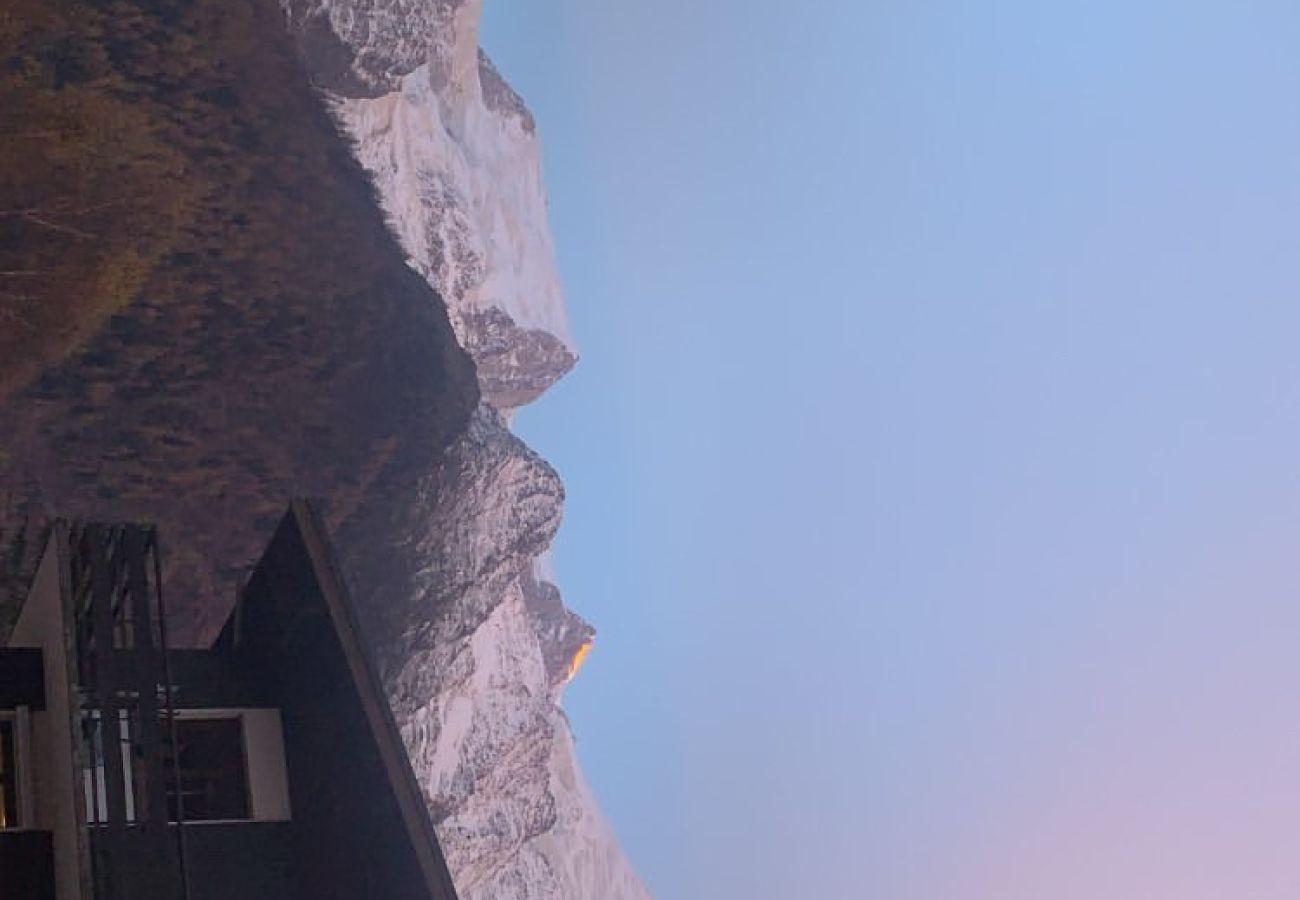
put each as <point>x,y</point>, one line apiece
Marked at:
<point>214,784</point>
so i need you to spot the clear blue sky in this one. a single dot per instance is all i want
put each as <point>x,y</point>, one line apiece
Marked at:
<point>933,459</point>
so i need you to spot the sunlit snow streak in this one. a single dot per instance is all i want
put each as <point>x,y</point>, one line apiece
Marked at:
<point>576,663</point>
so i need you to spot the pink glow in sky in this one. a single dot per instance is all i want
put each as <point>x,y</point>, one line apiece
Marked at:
<point>934,457</point>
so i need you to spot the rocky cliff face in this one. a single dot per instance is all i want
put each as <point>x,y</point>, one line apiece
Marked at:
<point>453,152</point>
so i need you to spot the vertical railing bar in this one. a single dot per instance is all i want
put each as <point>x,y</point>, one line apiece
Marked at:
<point>107,687</point>
<point>171,718</point>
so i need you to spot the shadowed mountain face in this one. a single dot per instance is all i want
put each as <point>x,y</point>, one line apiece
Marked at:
<point>272,343</point>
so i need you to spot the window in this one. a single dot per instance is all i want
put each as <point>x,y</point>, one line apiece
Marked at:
<point>229,765</point>
<point>212,770</point>
<point>8,775</point>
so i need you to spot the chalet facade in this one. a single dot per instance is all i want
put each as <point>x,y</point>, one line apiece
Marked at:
<point>267,767</point>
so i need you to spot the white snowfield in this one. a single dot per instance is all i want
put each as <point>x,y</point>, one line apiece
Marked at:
<point>462,187</point>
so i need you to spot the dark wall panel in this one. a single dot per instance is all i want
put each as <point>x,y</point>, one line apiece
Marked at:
<point>247,861</point>
<point>26,865</point>
<point>22,678</point>
<point>208,679</point>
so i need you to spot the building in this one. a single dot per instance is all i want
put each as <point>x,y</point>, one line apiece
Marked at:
<point>267,766</point>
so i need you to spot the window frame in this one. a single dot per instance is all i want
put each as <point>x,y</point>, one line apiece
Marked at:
<point>222,715</point>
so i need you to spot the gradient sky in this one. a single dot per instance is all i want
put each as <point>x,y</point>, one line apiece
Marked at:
<point>933,459</point>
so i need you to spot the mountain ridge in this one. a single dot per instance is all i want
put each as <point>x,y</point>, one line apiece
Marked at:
<point>453,151</point>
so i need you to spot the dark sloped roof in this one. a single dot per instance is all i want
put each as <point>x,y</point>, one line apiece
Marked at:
<point>358,809</point>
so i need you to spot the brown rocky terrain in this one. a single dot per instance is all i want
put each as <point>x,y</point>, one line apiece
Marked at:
<point>272,344</point>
